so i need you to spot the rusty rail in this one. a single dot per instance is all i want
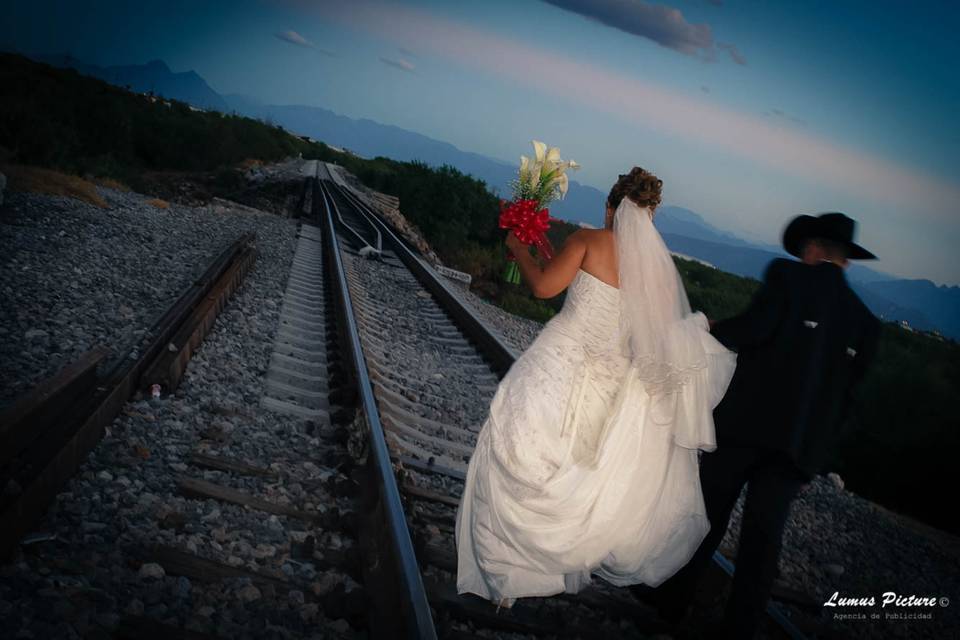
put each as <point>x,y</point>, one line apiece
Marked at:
<point>170,365</point>
<point>53,428</point>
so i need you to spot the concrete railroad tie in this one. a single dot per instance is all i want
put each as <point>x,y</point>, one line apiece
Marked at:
<point>296,382</point>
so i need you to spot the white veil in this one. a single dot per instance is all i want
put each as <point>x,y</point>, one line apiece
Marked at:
<point>680,365</point>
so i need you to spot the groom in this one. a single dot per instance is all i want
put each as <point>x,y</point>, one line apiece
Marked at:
<point>803,344</point>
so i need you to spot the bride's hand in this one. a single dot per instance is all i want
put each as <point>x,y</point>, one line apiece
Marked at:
<point>513,243</point>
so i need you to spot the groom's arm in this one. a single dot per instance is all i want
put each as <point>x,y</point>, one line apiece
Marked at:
<point>867,350</point>
<point>760,320</point>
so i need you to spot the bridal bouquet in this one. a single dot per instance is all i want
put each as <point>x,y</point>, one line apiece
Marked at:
<point>541,181</point>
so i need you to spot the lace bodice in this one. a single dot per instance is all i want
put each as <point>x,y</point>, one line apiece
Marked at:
<point>591,314</point>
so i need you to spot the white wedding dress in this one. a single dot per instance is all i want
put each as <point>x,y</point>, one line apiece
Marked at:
<point>578,469</point>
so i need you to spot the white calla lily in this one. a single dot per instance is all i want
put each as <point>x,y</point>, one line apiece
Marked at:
<point>540,151</point>
<point>562,182</point>
<point>524,169</point>
<point>553,158</point>
<point>536,170</point>
<point>543,177</point>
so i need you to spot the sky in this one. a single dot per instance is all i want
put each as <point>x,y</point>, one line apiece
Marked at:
<point>751,112</point>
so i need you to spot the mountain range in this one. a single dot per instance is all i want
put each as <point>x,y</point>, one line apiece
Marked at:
<point>921,303</point>
<point>369,139</point>
<point>154,76</point>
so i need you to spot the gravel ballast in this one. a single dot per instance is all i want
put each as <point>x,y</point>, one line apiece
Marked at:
<point>90,568</point>
<point>74,276</point>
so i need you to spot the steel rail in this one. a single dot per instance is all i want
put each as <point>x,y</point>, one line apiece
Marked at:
<point>349,228</point>
<point>415,608</point>
<point>498,353</point>
<point>329,173</point>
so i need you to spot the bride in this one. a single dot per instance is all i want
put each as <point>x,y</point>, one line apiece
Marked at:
<point>587,463</point>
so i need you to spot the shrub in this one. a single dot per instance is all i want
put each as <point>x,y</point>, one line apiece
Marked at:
<point>40,180</point>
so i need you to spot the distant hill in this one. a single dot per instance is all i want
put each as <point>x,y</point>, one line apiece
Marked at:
<point>919,302</point>
<point>683,222</point>
<point>747,261</point>
<point>155,76</point>
<point>742,260</point>
<point>368,138</point>
<point>57,118</point>
<point>941,304</point>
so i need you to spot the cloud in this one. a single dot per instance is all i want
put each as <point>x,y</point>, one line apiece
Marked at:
<point>782,115</point>
<point>399,63</point>
<point>735,54</point>
<point>647,105</point>
<point>664,25</point>
<point>295,38</point>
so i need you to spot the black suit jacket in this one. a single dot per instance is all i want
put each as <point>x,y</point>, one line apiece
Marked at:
<point>803,344</point>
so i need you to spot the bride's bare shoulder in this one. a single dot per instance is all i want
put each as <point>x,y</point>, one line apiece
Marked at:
<point>600,243</point>
<point>596,241</point>
<point>597,237</point>
<point>587,232</point>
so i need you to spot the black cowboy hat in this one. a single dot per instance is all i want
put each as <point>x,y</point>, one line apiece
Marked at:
<point>831,226</point>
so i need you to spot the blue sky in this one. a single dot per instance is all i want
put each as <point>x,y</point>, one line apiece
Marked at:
<point>750,111</point>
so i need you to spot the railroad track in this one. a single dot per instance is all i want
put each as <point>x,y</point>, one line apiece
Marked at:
<point>245,506</point>
<point>46,434</point>
<point>425,368</point>
<point>374,353</point>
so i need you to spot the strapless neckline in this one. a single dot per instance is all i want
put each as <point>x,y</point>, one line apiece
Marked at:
<point>609,286</point>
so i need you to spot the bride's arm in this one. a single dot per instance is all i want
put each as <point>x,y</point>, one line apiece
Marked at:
<point>553,277</point>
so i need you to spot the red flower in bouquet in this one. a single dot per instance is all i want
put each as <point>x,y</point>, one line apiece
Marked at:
<point>528,222</point>
<point>541,180</point>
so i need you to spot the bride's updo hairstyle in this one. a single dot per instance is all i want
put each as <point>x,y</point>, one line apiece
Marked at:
<point>639,185</point>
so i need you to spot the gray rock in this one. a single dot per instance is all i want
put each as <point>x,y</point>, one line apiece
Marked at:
<point>340,626</point>
<point>249,593</point>
<point>835,479</point>
<point>308,612</point>
<point>151,570</point>
<point>35,334</point>
<point>134,608</point>
<point>326,582</point>
<point>183,587</point>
